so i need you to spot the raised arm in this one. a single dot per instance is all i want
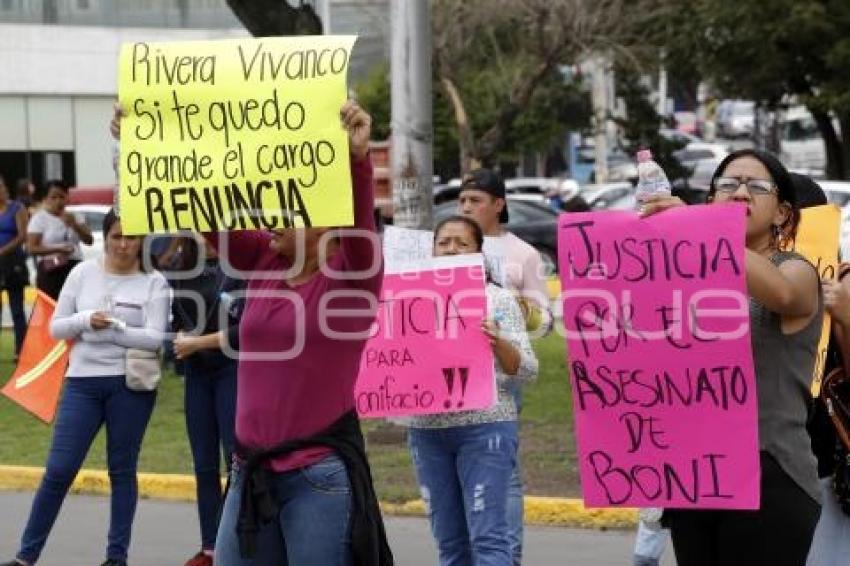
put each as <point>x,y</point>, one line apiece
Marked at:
<point>509,339</point>
<point>361,252</point>
<point>77,223</point>
<point>791,289</point>
<point>534,289</point>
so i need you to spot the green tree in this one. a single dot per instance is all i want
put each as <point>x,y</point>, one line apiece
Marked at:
<point>493,57</point>
<point>555,108</point>
<point>641,125</point>
<point>767,51</point>
<point>373,93</point>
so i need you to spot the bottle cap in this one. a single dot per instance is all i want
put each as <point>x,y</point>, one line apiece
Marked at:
<point>644,155</point>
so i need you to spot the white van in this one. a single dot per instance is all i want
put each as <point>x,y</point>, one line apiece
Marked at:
<point>801,146</point>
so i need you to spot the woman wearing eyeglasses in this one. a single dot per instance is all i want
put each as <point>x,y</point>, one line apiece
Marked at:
<point>786,312</point>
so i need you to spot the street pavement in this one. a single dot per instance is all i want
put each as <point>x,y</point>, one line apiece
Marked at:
<point>165,534</point>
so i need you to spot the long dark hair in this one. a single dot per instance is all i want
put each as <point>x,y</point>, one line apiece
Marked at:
<point>190,250</point>
<point>473,226</point>
<point>781,177</point>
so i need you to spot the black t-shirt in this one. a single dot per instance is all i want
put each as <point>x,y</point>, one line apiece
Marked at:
<point>218,293</point>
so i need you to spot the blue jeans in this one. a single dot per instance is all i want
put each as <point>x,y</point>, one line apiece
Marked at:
<point>464,473</point>
<point>312,528</point>
<point>210,400</point>
<point>88,403</point>
<point>19,319</point>
<point>649,545</point>
<point>516,500</point>
<point>516,513</point>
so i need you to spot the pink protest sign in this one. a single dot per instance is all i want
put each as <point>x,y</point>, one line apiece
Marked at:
<point>657,324</point>
<point>427,354</point>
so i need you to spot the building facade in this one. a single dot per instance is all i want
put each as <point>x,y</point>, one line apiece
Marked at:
<point>59,71</point>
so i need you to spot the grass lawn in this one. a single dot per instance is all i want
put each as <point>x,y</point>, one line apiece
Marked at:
<point>547,446</point>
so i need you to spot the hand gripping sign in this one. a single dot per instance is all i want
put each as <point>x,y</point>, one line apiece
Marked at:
<point>657,322</point>
<point>427,354</point>
<point>239,134</point>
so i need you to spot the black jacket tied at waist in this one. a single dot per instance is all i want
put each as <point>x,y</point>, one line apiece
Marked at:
<point>258,507</point>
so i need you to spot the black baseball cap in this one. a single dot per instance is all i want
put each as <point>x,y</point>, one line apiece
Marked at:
<point>491,183</point>
<point>808,192</point>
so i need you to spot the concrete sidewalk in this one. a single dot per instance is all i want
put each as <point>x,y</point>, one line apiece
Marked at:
<point>556,511</point>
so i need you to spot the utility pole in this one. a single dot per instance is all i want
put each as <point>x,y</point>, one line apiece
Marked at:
<point>324,11</point>
<point>411,152</point>
<point>599,98</point>
<point>662,88</point>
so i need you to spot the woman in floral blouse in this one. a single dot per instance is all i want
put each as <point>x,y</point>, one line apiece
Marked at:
<point>464,460</point>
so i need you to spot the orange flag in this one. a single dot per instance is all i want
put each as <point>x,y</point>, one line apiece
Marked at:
<point>37,380</point>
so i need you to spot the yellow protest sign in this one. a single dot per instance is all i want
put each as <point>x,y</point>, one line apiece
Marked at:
<point>234,135</point>
<point>817,241</point>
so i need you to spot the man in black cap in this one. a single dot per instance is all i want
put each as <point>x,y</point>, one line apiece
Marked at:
<point>515,265</point>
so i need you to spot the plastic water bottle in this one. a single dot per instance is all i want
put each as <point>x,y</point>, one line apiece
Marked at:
<point>228,303</point>
<point>651,178</point>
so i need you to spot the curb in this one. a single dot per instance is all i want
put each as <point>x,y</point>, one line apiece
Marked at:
<point>554,511</point>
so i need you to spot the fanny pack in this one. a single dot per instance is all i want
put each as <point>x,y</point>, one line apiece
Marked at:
<point>52,262</point>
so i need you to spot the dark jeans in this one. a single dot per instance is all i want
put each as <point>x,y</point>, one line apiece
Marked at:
<point>779,533</point>
<point>51,281</point>
<point>210,398</point>
<point>19,319</point>
<point>88,403</point>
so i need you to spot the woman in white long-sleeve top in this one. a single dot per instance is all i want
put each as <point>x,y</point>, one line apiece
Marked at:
<point>106,307</point>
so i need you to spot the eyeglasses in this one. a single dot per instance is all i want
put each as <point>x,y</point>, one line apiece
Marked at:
<point>729,185</point>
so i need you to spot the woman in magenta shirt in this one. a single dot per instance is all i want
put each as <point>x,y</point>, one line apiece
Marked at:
<point>301,336</point>
<point>300,490</point>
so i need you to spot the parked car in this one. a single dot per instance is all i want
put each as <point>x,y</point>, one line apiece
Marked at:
<point>686,121</point>
<point>532,189</point>
<point>622,167</point>
<point>736,118</point>
<point>678,136</point>
<point>837,192</point>
<point>801,146</point>
<point>844,234</point>
<point>533,223</point>
<point>626,201</point>
<point>690,155</point>
<point>447,191</point>
<point>94,215</point>
<point>102,195</point>
<point>602,197</point>
<point>700,179</point>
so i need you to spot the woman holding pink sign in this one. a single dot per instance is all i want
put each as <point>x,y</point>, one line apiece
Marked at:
<point>786,314</point>
<point>464,460</point>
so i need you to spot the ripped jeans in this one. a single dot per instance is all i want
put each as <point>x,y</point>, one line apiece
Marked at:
<point>464,473</point>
